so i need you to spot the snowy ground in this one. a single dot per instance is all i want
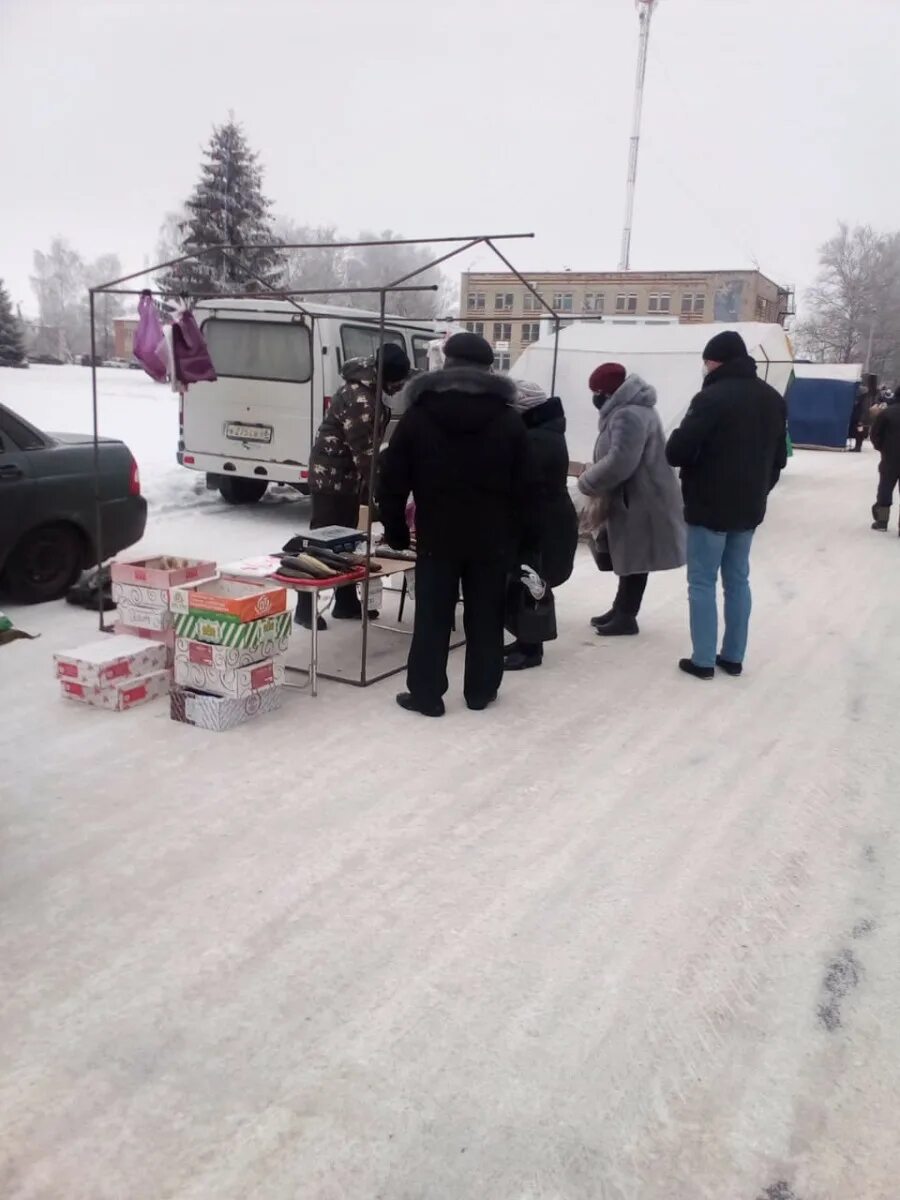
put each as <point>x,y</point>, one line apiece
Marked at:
<point>625,936</point>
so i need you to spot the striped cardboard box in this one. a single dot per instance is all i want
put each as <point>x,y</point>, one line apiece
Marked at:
<point>220,629</point>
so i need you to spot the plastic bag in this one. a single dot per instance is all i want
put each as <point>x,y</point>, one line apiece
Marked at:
<point>149,346</point>
<point>190,352</point>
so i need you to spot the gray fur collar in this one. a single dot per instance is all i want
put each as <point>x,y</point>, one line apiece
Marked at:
<point>461,379</point>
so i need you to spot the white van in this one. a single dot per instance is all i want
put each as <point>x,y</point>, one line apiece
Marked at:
<point>277,371</point>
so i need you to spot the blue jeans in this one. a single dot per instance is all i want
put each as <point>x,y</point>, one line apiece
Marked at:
<point>708,552</point>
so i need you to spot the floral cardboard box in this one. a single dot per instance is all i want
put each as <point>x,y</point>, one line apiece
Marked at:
<point>221,712</point>
<point>136,596</point>
<point>156,620</point>
<point>124,693</point>
<point>165,636</point>
<point>222,630</point>
<point>99,664</point>
<point>228,658</point>
<point>243,599</point>
<point>236,682</point>
<point>164,571</point>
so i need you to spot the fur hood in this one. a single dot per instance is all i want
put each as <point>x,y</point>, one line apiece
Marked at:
<point>634,391</point>
<point>461,400</point>
<point>461,379</point>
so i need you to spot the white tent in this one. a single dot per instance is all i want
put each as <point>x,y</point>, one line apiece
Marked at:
<point>844,372</point>
<point>668,356</point>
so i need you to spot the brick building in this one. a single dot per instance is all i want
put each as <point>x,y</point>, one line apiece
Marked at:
<point>496,305</point>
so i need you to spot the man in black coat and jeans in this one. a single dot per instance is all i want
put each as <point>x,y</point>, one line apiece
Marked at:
<point>886,440</point>
<point>461,450</point>
<point>731,448</point>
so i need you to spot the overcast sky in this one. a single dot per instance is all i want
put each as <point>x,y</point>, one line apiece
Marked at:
<point>765,121</point>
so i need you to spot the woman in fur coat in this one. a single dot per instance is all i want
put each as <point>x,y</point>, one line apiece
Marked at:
<point>643,528</point>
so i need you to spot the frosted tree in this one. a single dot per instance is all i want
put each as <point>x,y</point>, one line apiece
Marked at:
<point>227,207</point>
<point>12,340</point>
<point>373,266</point>
<point>59,285</point>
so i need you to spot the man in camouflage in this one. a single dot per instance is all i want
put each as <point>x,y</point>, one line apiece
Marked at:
<point>341,458</point>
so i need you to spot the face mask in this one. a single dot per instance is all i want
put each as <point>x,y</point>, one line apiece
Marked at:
<point>600,400</point>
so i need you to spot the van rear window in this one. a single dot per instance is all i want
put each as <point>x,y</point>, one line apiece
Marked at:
<point>275,350</point>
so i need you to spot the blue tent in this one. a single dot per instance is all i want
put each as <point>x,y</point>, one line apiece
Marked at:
<point>819,412</point>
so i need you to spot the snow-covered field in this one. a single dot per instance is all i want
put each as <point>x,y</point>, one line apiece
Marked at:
<point>625,936</point>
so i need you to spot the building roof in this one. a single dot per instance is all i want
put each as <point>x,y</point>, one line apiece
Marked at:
<point>633,276</point>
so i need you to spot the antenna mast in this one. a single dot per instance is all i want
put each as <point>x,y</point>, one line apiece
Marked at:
<point>645,15</point>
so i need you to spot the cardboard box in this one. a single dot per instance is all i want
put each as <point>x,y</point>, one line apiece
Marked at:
<point>99,664</point>
<point>243,599</point>
<point>124,693</point>
<point>154,620</point>
<point>166,637</point>
<point>221,630</point>
<point>220,712</point>
<point>228,658</point>
<point>140,597</point>
<point>164,571</point>
<point>236,682</point>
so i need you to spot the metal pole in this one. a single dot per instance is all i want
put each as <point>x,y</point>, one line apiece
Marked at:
<point>555,356</point>
<point>373,471</point>
<point>871,337</point>
<point>645,15</point>
<point>98,514</point>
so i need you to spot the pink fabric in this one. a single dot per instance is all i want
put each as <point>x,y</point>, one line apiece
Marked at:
<point>149,344</point>
<point>190,352</point>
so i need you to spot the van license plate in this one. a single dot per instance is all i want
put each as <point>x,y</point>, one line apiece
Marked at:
<point>248,433</point>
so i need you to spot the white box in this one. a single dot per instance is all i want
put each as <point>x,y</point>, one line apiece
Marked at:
<point>124,693</point>
<point>224,658</point>
<point>157,620</point>
<point>99,664</point>
<point>221,712</point>
<point>236,682</point>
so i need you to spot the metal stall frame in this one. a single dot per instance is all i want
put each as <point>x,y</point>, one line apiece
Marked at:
<point>461,245</point>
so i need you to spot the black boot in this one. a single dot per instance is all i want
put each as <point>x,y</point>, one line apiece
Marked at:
<point>304,611</point>
<point>730,668</point>
<point>882,516</point>
<point>411,704</point>
<point>690,668</point>
<point>519,660</point>
<point>619,625</point>
<point>604,620</point>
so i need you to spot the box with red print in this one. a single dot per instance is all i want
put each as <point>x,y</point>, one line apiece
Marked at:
<point>103,663</point>
<point>196,668</point>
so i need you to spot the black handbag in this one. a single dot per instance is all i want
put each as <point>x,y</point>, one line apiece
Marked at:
<point>529,620</point>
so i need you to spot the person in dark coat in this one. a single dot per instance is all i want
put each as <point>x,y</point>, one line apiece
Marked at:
<point>886,440</point>
<point>341,457</point>
<point>461,450</point>
<point>731,448</point>
<point>642,530</point>
<point>860,418</point>
<point>556,522</point>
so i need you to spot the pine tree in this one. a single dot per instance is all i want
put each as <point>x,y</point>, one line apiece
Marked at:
<point>12,340</point>
<point>227,207</point>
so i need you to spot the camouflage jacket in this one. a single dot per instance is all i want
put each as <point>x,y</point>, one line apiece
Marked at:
<point>341,457</point>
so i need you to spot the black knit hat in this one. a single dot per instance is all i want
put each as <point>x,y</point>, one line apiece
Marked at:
<point>469,348</point>
<point>394,363</point>
<point>724,347</point>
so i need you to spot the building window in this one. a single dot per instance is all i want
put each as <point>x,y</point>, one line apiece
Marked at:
<point>693,304</point>
<point>532,303</point>
<point>503,302</point>
<point>475,327</point>
<point>531,332</point>
<point>502,333</point>
<point>594,302</point>
<point>501,362</point>
<point>562,301</point>
<point>475,302</point>
<point>626,303</point>
<point>660,302</point>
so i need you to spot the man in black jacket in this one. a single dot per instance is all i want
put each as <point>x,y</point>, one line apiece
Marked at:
<point>886,440</point>
<point>461,450</point>
<point>731,448</point>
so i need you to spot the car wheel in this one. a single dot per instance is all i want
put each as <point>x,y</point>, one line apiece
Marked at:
<point>235,490</point>
<point>45,564</point>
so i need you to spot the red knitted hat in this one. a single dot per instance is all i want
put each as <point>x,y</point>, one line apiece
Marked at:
<point>607,378</point>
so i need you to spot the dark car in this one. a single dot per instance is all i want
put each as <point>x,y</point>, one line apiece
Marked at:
<point>48,524</point>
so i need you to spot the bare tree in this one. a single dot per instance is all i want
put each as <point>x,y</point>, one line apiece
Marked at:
<point>311,268</point>
<point>855,302</point>
<point>373,266</point>
<point>58,283</point>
